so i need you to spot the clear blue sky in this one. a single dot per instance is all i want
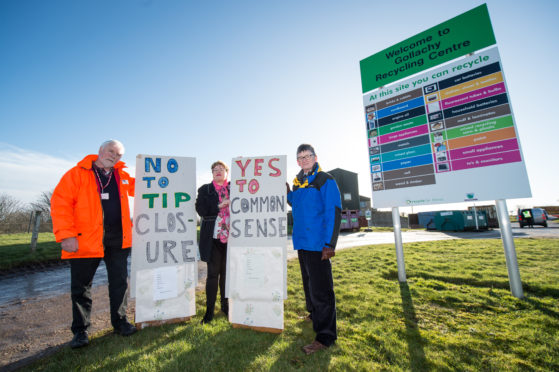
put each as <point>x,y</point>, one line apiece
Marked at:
<point>219,79</point>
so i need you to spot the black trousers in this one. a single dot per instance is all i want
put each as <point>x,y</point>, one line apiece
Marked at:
<point>82,272</point>
<point>319,295</point>
<point>216,275</point>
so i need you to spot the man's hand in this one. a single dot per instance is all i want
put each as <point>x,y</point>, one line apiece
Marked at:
<point>71,244</point>
<point>327,253</point>
<point>288,188</point>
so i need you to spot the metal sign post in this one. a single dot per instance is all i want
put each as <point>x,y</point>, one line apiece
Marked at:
<point>399,247</point>
<point>510,251</point>
<point>475,217</point>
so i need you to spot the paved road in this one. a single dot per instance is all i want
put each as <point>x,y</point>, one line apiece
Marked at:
<point>365,238</point>
<point>53,282</point>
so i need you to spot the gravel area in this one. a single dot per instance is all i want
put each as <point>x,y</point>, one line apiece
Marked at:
<point>34,328</point>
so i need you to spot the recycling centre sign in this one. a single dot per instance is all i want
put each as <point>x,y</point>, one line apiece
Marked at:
<point>440,127</point>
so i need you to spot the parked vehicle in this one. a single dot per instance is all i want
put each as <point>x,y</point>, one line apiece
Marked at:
<point>532,216</point>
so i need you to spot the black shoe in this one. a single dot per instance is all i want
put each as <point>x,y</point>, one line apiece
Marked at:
<point>80,340</point>
<point>207,318</point>
<point>125,329</point>
<point>225,306</point>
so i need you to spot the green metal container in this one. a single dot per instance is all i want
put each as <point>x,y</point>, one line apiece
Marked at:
<point>460,220</point>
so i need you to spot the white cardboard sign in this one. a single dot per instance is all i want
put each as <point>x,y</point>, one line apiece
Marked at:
<point>256,255</point>
<point>164,268</point>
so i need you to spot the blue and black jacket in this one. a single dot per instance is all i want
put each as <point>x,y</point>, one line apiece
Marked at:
<point>316,208</point>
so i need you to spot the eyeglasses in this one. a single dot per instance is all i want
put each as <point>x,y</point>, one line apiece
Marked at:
<point>218,170</point>
<point>305,157</point>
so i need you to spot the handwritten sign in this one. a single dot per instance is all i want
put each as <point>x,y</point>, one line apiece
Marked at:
<point>256,261</point>
<point>164,267</point>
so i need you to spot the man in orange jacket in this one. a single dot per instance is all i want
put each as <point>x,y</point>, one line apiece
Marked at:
<point>91,220</point>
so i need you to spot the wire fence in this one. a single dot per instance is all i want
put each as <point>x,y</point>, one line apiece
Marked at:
<point>24,223</point>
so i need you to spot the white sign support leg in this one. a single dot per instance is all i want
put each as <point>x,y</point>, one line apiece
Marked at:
<point>510,251</point>
<point>399,246</point>
<point>475,217</point>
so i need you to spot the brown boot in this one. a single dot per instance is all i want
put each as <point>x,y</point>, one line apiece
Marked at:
<point>314,347</point>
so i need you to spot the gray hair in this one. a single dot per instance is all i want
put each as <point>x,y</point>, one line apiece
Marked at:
<point>111,142</point>
<point>305,147</point>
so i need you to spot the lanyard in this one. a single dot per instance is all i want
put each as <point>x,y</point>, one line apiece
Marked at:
<point>99,179</point>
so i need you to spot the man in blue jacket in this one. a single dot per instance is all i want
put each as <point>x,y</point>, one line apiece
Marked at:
<point>316,207</point>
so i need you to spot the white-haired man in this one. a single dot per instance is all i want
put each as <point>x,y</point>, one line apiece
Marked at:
<point>91,220</point>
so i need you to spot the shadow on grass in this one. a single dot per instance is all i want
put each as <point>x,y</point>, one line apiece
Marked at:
<point>229,350</point>
<point>294,358</point>
<point>480,283</point>
<point>175,347</point>
<point>418,362</point>
<point>541,307</point>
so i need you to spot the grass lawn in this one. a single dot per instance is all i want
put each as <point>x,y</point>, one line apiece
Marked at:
<point>15,250</point>
<point>454,313</point>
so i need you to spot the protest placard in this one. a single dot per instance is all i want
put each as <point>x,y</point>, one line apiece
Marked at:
<point>256,255</point>
<point>164,266</point>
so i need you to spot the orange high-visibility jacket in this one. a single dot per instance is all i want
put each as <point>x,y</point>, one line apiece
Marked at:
<point>77,212</point>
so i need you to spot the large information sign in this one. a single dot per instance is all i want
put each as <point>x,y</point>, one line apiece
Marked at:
<point>454,38</point>
<point>256,282</point>
<point>446,135</point>
<point>164,267</point>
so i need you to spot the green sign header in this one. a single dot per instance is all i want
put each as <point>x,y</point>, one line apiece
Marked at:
<point>454,38</point>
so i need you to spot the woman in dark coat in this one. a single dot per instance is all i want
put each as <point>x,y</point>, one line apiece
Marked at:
<point>212,204</point>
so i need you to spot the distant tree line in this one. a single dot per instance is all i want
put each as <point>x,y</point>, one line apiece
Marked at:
<point>17,217</point>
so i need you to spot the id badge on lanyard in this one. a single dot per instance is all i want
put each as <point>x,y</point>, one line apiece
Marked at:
<point>104,195</point>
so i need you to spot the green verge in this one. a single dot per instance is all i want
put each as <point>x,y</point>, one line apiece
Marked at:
<point>454,313</point>
<point>16,250</point>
